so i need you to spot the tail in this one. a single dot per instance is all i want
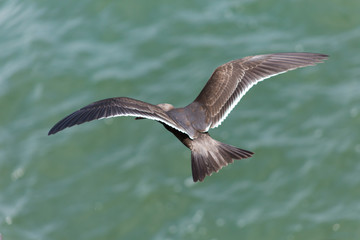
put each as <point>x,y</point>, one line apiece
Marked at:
<point>209,155</point>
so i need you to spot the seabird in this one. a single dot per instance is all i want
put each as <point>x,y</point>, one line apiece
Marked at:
<point>190,124</point>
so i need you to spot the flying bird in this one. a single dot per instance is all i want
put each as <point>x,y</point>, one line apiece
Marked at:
<point>190,124</point>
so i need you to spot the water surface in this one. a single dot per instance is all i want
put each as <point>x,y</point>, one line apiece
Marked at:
<point>121,179</point>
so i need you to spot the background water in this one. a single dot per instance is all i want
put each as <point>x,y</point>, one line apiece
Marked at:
<point>121,179</point>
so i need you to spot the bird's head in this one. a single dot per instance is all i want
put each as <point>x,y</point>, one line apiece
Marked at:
<point>165,106</point>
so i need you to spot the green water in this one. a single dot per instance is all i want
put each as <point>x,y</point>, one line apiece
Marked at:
<point>121,179</point>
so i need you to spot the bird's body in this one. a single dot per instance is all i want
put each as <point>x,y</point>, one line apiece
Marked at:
<point>190,124</point>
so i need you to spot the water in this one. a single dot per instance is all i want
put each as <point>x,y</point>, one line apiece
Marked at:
<point>121,179</point>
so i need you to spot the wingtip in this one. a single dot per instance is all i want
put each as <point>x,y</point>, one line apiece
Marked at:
<point>51,132</point>
<point>303,54</point>
<point>323,56</point>
<point>309,57</point>
<point>54,130</point>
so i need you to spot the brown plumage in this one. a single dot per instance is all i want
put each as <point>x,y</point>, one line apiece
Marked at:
<point>190,124</point>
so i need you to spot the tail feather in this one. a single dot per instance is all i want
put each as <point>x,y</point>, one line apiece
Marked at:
<point>209,155</point>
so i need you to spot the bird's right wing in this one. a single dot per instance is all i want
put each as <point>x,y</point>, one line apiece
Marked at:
<point>115,107</point>
<point>229,82</point>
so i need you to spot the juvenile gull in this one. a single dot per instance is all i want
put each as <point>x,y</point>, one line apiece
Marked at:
<point>190,124</point>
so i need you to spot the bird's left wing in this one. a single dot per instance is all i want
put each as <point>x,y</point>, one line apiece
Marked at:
<point>115,107</point>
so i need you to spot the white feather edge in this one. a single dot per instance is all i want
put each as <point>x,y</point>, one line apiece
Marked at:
<point>151,118</point>
<point>238,98</point>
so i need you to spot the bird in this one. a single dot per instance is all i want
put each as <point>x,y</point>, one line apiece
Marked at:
<point>190,124</point>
